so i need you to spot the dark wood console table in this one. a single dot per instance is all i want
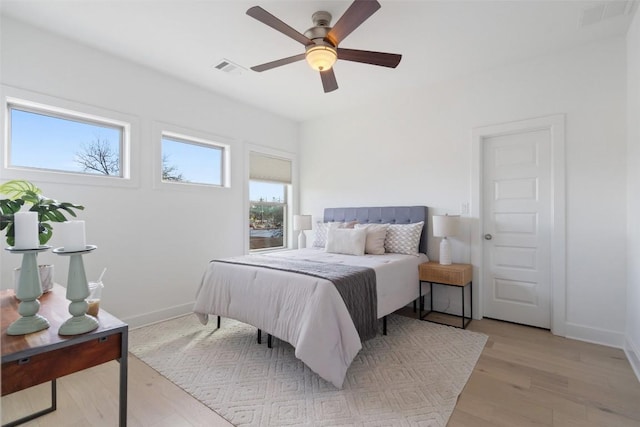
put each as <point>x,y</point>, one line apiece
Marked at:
<point>32,359</point>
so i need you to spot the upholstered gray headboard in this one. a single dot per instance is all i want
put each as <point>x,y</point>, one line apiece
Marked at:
<point>383,215</point>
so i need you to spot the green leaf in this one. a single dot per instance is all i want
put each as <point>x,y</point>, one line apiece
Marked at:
<point>9,207</point>
<point>16,189</point>
<point>67,207</point>
<point>11,240</point>
<point>46,232</point>
<point>57,216</point>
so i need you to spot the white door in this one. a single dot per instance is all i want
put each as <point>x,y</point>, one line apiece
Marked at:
<point>516,226</point>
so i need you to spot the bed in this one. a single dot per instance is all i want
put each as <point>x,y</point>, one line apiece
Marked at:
<point>308,310</point>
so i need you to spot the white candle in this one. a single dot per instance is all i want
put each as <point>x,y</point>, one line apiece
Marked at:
<point>26,230</point>
<point>73,238</point>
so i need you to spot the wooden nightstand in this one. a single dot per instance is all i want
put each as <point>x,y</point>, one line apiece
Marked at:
<point>459,275</point>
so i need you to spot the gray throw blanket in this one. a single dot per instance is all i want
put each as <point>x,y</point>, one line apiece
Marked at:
<point>356,285</point>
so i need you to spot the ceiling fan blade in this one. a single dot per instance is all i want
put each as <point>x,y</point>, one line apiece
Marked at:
<point>356,14</point>
<point>266,18</point>
<point>329,82</point>
<point>383,59</point>
<point>278,63</point>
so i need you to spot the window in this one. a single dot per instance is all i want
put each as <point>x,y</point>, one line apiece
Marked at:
<point>47,138</point>
<point>267,215</point>
<point>269,181</point>
<point>191,160</point>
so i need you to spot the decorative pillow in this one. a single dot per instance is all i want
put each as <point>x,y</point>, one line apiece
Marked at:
<point>346,241</point>
<point>320,238</point>
<point>403,238</point>
<point>376,234</point>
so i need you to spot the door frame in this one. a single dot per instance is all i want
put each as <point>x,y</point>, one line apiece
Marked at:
<point>555,125</point>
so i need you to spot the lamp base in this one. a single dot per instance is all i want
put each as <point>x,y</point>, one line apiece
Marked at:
<point>445,252</point>
<point>302,240</point>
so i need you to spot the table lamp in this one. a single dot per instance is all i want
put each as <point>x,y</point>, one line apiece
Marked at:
<point>445,226</point>
<point>301,223</point>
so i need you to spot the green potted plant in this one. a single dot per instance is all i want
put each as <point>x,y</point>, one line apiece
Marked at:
<point>23,193</point>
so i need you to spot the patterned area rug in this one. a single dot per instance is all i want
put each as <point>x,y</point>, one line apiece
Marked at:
<point>411,377</point>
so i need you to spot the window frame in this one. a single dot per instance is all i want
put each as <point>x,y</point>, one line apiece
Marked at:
<point>285,217</point>
<point>291,193</point>
<point>13,98</point>
<point>190,136</point>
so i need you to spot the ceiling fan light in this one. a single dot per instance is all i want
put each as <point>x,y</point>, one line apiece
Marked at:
<point>321,58</point>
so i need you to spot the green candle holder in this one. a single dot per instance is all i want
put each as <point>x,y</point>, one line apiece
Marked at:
<point>77,293</point>
<point>28,291</point>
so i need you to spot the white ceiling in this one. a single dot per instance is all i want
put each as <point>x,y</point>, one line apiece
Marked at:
<point>439,39</point>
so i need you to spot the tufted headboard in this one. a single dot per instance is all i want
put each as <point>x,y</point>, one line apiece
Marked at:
<point>383,215</point>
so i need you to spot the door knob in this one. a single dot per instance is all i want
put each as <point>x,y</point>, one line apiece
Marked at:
<point>488,237</point>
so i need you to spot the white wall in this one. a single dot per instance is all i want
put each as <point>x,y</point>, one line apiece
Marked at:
<point>415,149</point>
<point>632,341</point>
<point>155,242</point>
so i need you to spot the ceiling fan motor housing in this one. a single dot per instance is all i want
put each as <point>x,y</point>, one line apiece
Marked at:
<point>321,18</point>
<point>321,28</point>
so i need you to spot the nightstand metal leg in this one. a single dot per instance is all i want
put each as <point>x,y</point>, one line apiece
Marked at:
<point>431,296</point>
<point>462,289</point>
<point>420,300</point>
<point>471,299</point>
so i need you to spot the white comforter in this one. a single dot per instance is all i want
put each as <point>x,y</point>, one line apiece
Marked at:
<point>306,311</point>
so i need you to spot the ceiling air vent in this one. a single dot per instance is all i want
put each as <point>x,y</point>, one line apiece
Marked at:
<point>229,67</point>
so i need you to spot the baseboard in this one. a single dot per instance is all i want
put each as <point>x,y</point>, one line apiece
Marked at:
<point>158,316</point>
<point>595,335</point>
<point>633,355</point>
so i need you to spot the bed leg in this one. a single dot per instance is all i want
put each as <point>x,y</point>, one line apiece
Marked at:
<point>219,322</point>
<point>384,325</point>
<point>259,336</point>
<point>269,341</point>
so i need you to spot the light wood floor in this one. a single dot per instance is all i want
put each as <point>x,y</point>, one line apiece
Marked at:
<point>524,377</point>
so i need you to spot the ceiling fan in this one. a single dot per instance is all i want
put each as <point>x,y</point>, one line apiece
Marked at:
<point>321,41</point>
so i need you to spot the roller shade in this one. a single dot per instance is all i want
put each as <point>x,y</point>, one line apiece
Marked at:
<point>267,168</point>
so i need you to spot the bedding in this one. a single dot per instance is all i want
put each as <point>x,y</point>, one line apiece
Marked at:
<point>396,274</point>
<point>403,238</point>
<point>355,284</point>
<point>376,235</point>
<point>346,241</point>
<point>322,230</point>
<point>308,311</point>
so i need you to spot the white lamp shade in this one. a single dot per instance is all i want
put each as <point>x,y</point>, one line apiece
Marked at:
<point>302,222</point>
<point>445,225</point>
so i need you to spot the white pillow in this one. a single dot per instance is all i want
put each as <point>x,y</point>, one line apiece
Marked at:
<point>403,238</point>
<point>376,234</point>
<point>346,241</point>
<point>320,237</point>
